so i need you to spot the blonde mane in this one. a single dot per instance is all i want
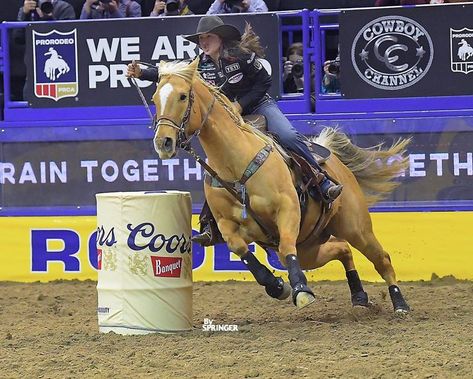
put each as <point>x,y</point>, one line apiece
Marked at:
<point>177,68</point>
<point>185,71</point>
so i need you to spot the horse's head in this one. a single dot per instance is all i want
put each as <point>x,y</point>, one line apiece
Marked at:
<point>173,99</point>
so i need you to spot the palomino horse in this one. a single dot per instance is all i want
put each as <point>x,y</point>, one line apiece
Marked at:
<point>186,106</point>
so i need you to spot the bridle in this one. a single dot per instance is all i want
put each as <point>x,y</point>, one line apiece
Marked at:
<point>183,141</point>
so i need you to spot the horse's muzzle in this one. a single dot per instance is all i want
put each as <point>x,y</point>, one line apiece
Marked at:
<point>165,147</point>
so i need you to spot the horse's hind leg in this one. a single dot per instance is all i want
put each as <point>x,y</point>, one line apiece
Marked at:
<point>274,286</point>
<point>341,251</point>
<point>336,249</point>
<point>372,249</point>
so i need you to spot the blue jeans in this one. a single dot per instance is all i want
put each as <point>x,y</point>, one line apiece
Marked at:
<point>278,124</point>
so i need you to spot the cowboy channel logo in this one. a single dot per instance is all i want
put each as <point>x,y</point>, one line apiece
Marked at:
<point>55,64</point>
<point>392,52</point>
<point>461,50</point>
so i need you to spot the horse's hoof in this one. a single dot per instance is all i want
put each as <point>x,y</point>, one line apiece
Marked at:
<point>279,290</point>
<point>286,291</point>
<point>399,303</point>
<point>303,299</point>
<point>401,312</point>
<point>360,299</point>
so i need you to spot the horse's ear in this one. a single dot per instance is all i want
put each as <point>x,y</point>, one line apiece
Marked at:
<point>194,64</point>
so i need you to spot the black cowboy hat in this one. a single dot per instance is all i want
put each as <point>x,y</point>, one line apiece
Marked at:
<point>214,25</point>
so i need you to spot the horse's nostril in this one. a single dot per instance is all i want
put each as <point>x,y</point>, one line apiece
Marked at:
<point>167,144</point>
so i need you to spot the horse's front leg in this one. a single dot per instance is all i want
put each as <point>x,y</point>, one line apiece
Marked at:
<point>274,286</point>
<point>288,225</point>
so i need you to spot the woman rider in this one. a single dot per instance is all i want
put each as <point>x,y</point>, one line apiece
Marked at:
<point>230,61</point>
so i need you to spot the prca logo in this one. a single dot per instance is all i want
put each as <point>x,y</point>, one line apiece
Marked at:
<point>461,50</point>
<point>392,52</point>
<point>55,64</point>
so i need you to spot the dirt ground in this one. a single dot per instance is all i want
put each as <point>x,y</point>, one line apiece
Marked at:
<point>50,331</point>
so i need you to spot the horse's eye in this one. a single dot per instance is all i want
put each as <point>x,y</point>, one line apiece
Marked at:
<point>183,97</point>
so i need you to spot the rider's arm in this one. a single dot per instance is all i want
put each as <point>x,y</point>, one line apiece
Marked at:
<point>254,70</point>
<point>151,74</point>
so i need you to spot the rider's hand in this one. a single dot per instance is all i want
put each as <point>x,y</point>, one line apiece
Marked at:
<point>29,6</point>
<point>237,106</point>
<point>133,70</point>
<point>159,6</point>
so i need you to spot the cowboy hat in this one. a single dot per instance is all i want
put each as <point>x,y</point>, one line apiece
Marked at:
<point>214,25</point>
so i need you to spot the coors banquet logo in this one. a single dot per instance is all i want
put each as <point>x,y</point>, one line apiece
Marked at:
<point>392,52</point>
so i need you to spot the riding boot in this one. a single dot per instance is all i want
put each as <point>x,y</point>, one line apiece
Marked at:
<point>330,190</point>
<point>209,234</point>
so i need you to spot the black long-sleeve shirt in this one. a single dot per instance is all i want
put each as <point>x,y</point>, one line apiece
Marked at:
<point>241,78</point>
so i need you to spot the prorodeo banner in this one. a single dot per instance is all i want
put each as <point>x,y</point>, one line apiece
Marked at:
<point>399,52</point>
<point>74,64</point>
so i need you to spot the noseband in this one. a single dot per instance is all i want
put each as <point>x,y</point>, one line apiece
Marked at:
<point>182,140</point>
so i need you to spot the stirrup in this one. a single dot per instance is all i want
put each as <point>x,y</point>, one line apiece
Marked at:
<point>203,239</point>
<point>334,191</point>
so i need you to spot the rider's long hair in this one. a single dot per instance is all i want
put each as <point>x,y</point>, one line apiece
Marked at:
<point>249,43</point>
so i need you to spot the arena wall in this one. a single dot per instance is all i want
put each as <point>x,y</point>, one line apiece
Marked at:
<point>420,244</point>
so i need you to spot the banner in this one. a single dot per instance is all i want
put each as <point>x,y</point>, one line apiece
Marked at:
<point>51,248</point>
<point>407,52</point>
<point>76,64</point>
<point>71,173</point>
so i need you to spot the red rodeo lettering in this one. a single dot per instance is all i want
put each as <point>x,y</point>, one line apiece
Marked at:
<point>166,267</point>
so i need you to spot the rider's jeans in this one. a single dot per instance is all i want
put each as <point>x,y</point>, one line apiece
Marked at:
<point>278,124</point>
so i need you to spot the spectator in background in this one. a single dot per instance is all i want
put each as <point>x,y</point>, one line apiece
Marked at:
<point>170,8</point>
<point>94,9</point>
<point>386,3</point>
<point>199,6</point>
<point>331,78</point>
<point>46,10</point>
<point>293,69</point>
<point>237,6</point>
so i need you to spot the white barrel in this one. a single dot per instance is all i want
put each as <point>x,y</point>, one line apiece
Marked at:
<point>144,262</point>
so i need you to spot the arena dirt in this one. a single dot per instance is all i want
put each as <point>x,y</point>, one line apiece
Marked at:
<point>50,331</point>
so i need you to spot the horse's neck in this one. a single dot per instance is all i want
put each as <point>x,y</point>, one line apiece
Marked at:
<point>229,149</point>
